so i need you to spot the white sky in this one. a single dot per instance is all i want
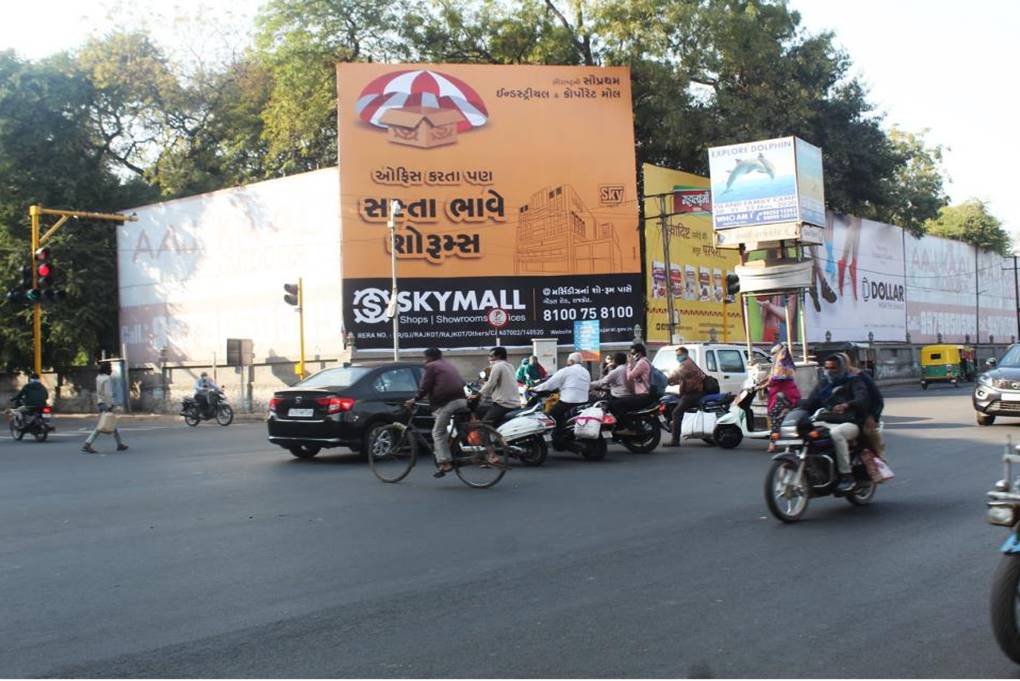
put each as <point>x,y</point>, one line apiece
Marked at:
<point>937,64</point>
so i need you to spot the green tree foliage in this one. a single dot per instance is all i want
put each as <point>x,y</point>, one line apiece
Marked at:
<point>972,223</point>
<point>50,154</point>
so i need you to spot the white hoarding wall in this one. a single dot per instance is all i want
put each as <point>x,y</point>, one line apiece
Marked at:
<point>858,282</point>
<point>194,272</point>
<point>943,278</point>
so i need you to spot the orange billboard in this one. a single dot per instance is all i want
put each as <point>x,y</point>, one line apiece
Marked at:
<point>511,187</point>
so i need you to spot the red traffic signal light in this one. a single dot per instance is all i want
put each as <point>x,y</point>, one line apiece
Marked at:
<point>45,271</point>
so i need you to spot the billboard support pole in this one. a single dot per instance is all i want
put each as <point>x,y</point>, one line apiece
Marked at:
<point>977,299</point>
<point>803,325</point>
<point>394,206</point>
<point>670,303</point>
<point>1016,297</point>
<point>747,324</point>
<point>789,323</point>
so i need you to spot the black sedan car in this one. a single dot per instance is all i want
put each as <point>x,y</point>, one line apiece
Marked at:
<point>340,407</point>
<point>997,392</point>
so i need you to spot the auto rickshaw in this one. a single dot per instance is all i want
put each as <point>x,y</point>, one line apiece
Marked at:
<point>947,364</point>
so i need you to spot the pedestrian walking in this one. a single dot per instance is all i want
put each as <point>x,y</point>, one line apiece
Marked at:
<point>105,404</point>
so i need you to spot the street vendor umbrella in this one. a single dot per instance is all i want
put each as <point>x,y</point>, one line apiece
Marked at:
<point>421,88</point>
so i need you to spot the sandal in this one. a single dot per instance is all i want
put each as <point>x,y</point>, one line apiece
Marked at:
<point>444,468</point>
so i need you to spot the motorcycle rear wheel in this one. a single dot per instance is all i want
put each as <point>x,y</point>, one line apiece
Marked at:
<point>535,453</point>
<point>596,451</point>
<point>191,417</point>
<point>224,414</point>
<point>782,503</point>
<point>862,494</point>
<point>648,443</point>
<point>41,435</point>
<point>1005,600</point>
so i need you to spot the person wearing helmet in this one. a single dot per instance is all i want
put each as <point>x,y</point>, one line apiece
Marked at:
<point>573,382</point>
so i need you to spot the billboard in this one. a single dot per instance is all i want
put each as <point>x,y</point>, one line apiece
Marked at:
<point>515,188</point>
<point>194,272</point>
<point>858,284</point>
<point>697,270</point>
<point>766,182</point>
<point>958,292</point>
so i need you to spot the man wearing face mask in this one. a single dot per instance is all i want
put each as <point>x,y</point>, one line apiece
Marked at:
<point>501,386</point>
<point>846,396</point>
<point>691,380</point>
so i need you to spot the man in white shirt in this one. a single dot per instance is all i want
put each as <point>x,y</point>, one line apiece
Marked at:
<point>573,382</point>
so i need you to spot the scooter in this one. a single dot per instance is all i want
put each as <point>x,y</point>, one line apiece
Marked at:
<point>524,431</point>
<point>594,449</point>
<point>1004,510</point>
<point>733,426</point>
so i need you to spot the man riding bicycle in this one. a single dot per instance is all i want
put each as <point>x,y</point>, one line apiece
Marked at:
<point>444,387</point>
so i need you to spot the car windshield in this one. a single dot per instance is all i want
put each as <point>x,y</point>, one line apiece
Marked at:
<point>340,377</point>
<point>1011,359</point>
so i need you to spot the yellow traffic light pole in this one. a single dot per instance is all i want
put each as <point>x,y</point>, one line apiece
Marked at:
<point>301,324</point>
<point>35,214</point>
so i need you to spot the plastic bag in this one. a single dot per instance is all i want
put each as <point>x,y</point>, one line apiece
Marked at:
<point>878,470</point>
<point>588,424</point>
<point>107,422</point>
<point>697,424</point>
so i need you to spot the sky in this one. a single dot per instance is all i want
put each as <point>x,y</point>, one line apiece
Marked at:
<point>947,67</point>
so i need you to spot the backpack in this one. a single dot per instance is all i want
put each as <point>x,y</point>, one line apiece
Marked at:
<point>710,385</point>
<point>657,382</point>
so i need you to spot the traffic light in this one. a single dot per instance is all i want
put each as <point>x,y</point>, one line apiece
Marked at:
<point>293,294</point>
<point>732,284</point>
<point>32,292</point>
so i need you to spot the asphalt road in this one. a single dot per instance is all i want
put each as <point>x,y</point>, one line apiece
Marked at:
<point>209,553</point>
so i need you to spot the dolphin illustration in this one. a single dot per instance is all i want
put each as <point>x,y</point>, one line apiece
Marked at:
<point>745,166</point>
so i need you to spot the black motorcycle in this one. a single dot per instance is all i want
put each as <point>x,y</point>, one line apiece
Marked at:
<point>195,412</point>
<point>1004,510</point>
<point>642,434</point>
<point>36,422</point>
<point>806,468</point>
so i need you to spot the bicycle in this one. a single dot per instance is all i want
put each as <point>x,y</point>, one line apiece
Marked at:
<point>479,451</point>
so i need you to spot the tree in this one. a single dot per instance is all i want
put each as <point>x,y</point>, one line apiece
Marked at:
<point>971,223</point>
<point>916,187</point>
<point>51,154</point>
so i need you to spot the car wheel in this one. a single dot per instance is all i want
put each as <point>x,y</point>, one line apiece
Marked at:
<point>985,419</point>
<point>369,437</point>
<point>304,451</point>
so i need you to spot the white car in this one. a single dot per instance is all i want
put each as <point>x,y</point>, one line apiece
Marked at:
<point>727,363</point>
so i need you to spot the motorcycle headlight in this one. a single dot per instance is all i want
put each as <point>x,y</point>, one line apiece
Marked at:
<point>1004,515</point>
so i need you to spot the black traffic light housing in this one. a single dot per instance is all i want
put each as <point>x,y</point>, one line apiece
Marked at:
<point>732,284</point>
<point>293,293</point>
<point>43,268</point>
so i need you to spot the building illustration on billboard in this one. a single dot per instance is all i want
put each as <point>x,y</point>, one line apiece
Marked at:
<point>558,234</point>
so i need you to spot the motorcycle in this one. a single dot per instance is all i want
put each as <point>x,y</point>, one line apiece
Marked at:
<point>644,433</point>
<point>194,413</point>
<point>716,406</point>
<point>807,467</point>
<point>37,422</point>
<point>592,449</point>
<point>1004,510</point>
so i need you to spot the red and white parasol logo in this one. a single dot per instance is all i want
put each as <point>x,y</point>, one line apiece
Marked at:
<point>422,92</point>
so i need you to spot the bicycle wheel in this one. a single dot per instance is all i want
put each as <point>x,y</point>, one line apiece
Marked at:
<point>479,455</point>
<point>392,452</point>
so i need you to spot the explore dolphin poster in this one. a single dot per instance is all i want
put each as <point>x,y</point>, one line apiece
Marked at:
<point>757,183</point>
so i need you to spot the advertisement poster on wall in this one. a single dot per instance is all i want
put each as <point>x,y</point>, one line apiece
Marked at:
<point>943,277</point>
<point>857,283</point>
<point>766,182</point>
<point>516,189</point>
<point>697,270</point>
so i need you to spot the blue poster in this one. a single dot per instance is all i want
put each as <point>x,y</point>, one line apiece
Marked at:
<point>586,339</point>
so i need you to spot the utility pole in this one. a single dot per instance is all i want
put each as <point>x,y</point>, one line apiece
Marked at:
<point>393,309</point>
<point>35,214</point>
<point>670,303</point>
<point>977,299</point>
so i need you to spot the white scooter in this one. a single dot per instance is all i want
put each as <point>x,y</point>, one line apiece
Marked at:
<point>525,430</point>
<point>732,427</point>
